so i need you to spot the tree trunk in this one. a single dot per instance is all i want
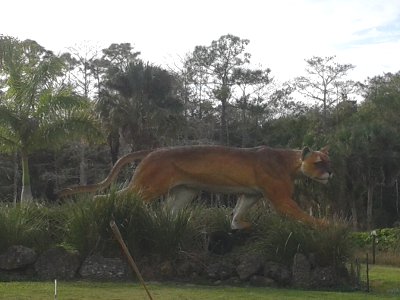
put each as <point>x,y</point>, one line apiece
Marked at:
<point>245,131</point>
<point>26,193</point>
<point>370,194</point>
<point>16,176</point>
<point>354,213</point>
<point>397,197</point>
<point>82,165</point>
<point>113,143</point>
<point>325,108</point>
<point>224,133</point>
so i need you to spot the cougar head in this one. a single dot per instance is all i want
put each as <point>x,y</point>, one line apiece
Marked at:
<point>316,164</point>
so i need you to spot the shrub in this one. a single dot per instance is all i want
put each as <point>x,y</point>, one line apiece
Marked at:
<point>150,230</point>
<point>280,239</point>
<point>27,225</point>
<point>147,230</point>
<point>386,239</point>
<point>209,219</point>
<point>167,233</point>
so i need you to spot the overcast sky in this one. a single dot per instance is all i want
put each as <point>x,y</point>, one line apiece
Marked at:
<point>282,33</point>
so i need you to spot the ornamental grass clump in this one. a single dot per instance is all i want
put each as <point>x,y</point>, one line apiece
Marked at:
<point>169,233</point>
<point>210,219</point>
<point>88,219</point>
<point>25,224</point>
<point>146,229</point>
<point>281,238</point>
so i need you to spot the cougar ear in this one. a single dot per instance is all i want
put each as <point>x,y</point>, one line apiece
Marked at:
<point>325,150</point>
<point>306,152</point>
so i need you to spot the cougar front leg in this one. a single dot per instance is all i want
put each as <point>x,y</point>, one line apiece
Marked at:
<point>288,208</point>
<point>244,203</point>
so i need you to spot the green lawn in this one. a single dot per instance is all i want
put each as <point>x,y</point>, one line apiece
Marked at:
<point>385,282</point>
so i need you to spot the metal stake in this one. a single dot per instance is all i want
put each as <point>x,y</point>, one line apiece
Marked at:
<point>132,263</point>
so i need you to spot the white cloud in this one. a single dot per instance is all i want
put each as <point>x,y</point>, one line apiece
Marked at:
<point>282,33</point>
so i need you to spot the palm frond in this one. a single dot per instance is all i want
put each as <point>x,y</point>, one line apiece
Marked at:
<point>60,103</point>
<point>9,127</point>
<point>9,118</point>
<point>8,143</point>
<point>77,126</point>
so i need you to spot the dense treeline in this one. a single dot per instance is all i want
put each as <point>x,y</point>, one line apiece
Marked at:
<point>65,119</point>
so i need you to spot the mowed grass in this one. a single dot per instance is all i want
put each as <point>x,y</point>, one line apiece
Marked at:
<point>385,284</point>
<point>385,280</point>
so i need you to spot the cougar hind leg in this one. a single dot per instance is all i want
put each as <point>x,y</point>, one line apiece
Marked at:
<point>244,203</point>
<point>179,197</point>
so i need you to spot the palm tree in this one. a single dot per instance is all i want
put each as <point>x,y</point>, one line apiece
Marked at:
<point>141,102</point>
<point>36,110</point>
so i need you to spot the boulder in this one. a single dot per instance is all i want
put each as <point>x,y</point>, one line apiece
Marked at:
<point>278,272</point>
<point>57,263</point>
<point>220,270</point>
<point>249,265</point>
<point>301,271</point>
<point>17,257</point>
<point>324,277</point>
<point>167,270</point>
<point>101,268</point>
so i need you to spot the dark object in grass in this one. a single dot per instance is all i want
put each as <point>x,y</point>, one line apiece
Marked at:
<point>49,192</point>
<point>221,242</point>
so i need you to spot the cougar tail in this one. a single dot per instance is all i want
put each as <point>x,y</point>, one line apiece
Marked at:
<point>124,160</point>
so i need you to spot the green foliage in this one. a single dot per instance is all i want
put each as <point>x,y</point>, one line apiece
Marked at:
<point>221,71</point>
<point>142,99</point>
<point>280,239</point>
<point>147,230</point>
<point>386,239</point>
<point>366,146</point>
<point>167,233</point>
<point>36,112</point>
<point>27,225</point>
<point>152,231</point>
<point>209,219</point>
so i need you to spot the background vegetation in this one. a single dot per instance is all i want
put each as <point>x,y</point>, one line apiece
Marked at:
<point>65,119</point>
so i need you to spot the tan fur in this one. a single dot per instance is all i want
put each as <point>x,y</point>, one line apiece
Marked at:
<point>254,173</point>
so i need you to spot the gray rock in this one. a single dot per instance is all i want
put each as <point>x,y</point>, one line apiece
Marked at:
<point>17,257</point>
<point>167,269</point>
<point>98,267</point>
<point>250,265</point>
<point>301,271</point>
<point>324,277</point>
<point>278,272</point>
<point>57,263</point>
<point>220,271</point>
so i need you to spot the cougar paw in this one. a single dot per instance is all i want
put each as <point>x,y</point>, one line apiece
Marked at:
<point>240,225</point>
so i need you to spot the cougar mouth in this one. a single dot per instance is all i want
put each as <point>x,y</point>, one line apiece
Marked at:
<point>323,179</point>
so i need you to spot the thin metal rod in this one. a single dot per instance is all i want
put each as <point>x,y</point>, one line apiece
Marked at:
<point>132,263</point>
<point>55,289</point>
<point>368,287</point>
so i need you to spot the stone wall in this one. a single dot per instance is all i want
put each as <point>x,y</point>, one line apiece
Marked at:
<point>22,263</point>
